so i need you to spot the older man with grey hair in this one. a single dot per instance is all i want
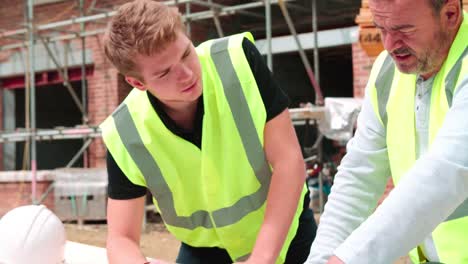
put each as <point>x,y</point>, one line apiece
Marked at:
<point>413,126</point>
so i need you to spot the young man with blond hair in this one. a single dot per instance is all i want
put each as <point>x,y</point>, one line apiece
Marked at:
<point>207,131</point>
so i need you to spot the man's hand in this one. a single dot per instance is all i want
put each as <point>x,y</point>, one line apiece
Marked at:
<point>283,153</point>
<point>335,260</point>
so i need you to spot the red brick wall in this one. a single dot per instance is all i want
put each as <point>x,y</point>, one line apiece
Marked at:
<point>102,85</point>
<point>105,90</point>
<point>362,65</point>
<point>14,194</point>
<point>102,96</point>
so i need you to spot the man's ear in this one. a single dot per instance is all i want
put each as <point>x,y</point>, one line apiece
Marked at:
<point>451,13</point>
<point>135,83</point>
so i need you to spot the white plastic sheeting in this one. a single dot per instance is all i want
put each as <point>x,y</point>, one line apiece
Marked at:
<point>340,118</point>
<point>77,253</point>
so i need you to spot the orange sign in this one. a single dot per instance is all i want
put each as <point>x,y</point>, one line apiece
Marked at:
<point>371,41</point>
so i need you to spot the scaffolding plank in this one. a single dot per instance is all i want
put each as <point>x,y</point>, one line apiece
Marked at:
<point>51,134</point>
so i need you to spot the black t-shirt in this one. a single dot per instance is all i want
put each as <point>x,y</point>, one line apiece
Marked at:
<point>274,99</point>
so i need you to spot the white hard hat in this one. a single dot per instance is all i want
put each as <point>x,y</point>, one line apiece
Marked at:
<point>31,234</point>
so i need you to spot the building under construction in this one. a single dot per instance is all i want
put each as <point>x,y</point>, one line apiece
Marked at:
<point>56,85</point>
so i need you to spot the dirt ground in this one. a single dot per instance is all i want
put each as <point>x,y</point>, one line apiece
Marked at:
<point>156,241</point>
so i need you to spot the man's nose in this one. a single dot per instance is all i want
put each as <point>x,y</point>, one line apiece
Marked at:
<point>184,72</point>
<point>391,42</point>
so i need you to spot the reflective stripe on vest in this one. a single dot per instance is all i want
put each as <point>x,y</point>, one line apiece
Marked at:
<point>213,195</point>
<point>156,183</point>
<point>452,77</point>
<point>153,176</point>
<point>246,128</point>
<point>383,84</point>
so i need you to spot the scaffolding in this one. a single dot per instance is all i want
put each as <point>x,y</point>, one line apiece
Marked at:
<point>27,37</point>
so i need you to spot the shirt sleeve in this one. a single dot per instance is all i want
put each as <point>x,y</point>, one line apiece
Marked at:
<point>426,195</point>
<point>119,186</point>
<point>274,98</point>
<point>358,184</point>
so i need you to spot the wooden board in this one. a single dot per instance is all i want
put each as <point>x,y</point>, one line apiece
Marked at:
<point>311,113</point>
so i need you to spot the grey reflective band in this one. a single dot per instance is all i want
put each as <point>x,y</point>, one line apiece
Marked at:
<point>246,128</point>
<point>452,77</point>
<point>383,84</point>
<point>153,176</point>
<point>450,82</point>
<point>155,181</point>
<point>460,212</point>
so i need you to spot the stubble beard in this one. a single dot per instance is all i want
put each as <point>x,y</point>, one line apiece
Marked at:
<point>432,59</point>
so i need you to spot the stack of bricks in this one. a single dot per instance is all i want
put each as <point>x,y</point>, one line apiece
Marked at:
<point>15,189</point>
<point>14,194</point>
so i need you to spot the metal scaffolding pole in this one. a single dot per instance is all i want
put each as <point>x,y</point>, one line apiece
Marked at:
<point>69,165</point>
<point>268,34</point>
<point>305,60</point>
<point>216,6</point>
<point>79,153</point>
<point>83,67</point>
<point>60,23</point>
<point>230,10</point>
<point>188,21</point>
<point>84,90</point>
<point>60,133</point>
<point>317,79</point>
<point>216,21</point>
<point>32,33</point>
<point>224,11</point>
<point>56,38</point>
<point>63,74</point>
<point>316,53</point>
<point>32,82</point>
<point>27,113</point>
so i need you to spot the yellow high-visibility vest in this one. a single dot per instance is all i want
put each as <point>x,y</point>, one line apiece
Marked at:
<point>216,196</point>
<point>392,95</point>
